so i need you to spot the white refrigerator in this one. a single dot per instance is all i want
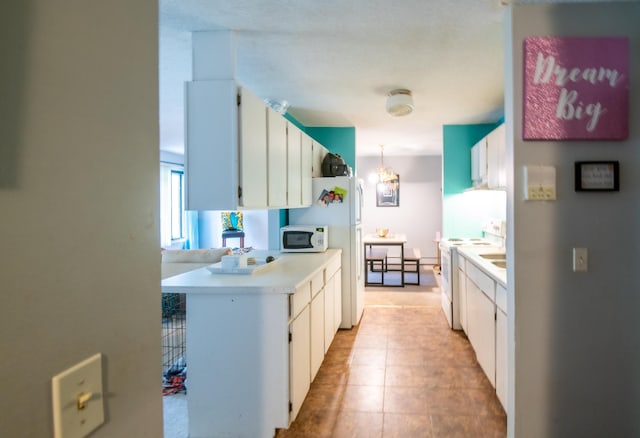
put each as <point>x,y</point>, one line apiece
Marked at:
<point>337,202</point>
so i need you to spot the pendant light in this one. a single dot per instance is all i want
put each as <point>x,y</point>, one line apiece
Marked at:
<point>385,174</point>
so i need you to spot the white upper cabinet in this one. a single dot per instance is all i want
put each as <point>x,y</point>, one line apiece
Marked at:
<point>319,153</point>
<point>294,166</point>
<point>240,154</point>
<point>253,150</point>
<point>277,159</point>
<point>479,163</point>
<point>306,158</point>
<point>211,139</point>
<point>496,166</point>
<point>488,161</point>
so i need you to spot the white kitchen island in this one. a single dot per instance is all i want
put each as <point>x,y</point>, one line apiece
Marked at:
<point>251,341</point>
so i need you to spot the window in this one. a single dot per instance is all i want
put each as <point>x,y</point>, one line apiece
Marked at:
<point>172,214</point>
<point>177,204</point>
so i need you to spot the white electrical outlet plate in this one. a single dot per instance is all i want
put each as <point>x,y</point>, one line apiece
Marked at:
<point>580,260</point>
<point>540,183</point>
<point>78,405</point>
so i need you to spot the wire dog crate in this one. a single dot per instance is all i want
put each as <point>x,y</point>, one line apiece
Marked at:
<point>174,318</point>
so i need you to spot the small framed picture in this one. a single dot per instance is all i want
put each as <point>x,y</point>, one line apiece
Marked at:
<point>388,193</point>
<point>602,176</point>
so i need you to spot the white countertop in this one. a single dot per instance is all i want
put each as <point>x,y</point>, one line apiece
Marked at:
<point>472,253</point>
<point>288,271</point>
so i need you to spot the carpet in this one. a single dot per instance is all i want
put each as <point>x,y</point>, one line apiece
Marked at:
<point>428,280</point>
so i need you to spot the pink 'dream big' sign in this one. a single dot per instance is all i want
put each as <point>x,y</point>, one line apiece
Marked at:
<point>576,88</point>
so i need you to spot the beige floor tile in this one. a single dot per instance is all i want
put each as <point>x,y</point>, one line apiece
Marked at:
<point>406,425</point>
<point>405,400</point>
<point>358,425</point>
<point>359,398</point>
<point>402,372</point>
<point>455,426</point>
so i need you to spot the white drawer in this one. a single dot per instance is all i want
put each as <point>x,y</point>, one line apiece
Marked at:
<point>482,280</point>
<point>299,300</point>
<point>317,283</point>
<point>501,297</point>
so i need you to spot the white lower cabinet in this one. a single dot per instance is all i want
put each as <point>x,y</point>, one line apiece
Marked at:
<point>317,333</point>
<point>299,360</point>
<point>329,311</point>
<point>317,323</point>
<point>481,314</point>
<point>316,310</point>
<point>337,300</point>
<point>501,358</point>
<point>462,297</point>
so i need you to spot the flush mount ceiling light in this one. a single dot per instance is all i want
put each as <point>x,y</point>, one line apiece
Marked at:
<point>399,102</point>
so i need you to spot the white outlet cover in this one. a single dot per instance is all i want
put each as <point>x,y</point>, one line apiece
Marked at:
<point>83,378</point>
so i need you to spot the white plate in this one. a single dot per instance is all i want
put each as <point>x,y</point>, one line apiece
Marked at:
<point>217,268</point>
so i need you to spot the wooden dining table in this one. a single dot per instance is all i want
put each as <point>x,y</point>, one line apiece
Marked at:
<point>396,239</point>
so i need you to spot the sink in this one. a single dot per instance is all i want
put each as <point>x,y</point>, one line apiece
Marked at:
<point>496,256</point>
<point>500,263</point>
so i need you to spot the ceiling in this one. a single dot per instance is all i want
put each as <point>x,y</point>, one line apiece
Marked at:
<point>336,61</point>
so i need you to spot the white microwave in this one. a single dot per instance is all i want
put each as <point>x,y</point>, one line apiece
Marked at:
<point>304,238</point>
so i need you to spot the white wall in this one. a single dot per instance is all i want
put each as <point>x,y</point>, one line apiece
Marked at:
<point>80,270</point>
<point>419,215</point>
<point>577,335</point>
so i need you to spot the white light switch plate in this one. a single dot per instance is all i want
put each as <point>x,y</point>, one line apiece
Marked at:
<point>78,406</point>
<point>580,260</point>
<point>540,183</point>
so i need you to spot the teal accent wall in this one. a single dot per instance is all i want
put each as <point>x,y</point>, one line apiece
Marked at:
<point>456,155</point>
<point>293,120</point>
<point>340,141</point>
<point>464,213</point>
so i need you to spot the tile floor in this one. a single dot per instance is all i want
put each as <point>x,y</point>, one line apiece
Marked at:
<point>401,373</point>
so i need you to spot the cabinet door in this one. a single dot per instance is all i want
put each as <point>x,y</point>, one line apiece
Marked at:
<point>329,317</point>
<point>211,145</point>
<point>482,335</point>
<point>299,361</point>
<point>496,170</point>
<point>337,300</point>
<point>294,166</point>
<point>502,363</point>
<point>474,165</point>
<point>306,159</point>
<point>482,161</point>
<point>276,159</point>
<point>253,151</point>
<point>319,152</point>
<point>479,163</point>
<point>317,332</point>
<point>462,305</point>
